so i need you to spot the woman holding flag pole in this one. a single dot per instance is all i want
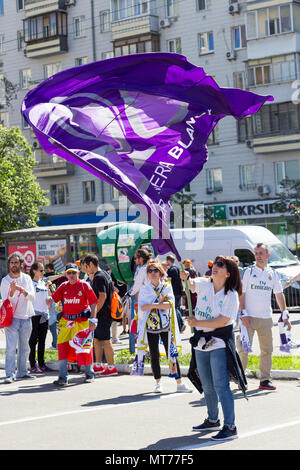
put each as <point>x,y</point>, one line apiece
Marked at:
<point>216,310</point>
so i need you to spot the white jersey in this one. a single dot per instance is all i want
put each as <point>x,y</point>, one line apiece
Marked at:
<point>258,285</point>
<point>211,305</point>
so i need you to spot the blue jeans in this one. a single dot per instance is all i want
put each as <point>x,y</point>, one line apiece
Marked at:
<point>212,368</point>
<point>63,371</point>
<point>53,330</point>
<point>17,336</point>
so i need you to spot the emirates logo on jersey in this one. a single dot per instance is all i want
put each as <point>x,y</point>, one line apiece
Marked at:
<point>72,301</point>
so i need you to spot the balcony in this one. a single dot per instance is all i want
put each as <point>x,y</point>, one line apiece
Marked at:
<point>136,26</point>
<point>41,7</point>
<point>276,143</point>
<point>46,34</point>
<point>48,166</point>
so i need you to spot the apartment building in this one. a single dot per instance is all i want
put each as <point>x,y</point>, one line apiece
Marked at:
<point>249,44</point>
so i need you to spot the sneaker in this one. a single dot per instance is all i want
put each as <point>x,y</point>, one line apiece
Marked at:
<point>60,382</point>
<point>108,372</point>
<point>225,434</point>
<point>98,368</point>
<point>116,341</point>
<point>45,369</point>
<point>158,388</point>
<point>89,379</point>
<point>183,388</point>
<point>9,380</point>
<point>266,385</point>
<point>27,376</point>
<point>124,333</point>
<point>208,425</point>
<point>35,370</point>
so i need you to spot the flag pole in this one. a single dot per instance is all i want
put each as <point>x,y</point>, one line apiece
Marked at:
<point>188,296</point>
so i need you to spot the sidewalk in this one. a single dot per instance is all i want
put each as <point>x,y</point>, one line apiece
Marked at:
<point>186,348</point>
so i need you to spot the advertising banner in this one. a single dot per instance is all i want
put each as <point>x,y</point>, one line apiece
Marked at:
<point>52,251</point>
<point>26,249</point>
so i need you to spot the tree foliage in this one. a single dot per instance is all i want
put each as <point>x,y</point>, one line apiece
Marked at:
<point>289,198</point>
<point>20,194</point>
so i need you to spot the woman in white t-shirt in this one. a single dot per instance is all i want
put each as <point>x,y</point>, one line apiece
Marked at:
<point>39,320</point>
<point>217,308</point>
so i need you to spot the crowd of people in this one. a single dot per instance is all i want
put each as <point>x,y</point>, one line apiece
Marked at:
<point>76,308</point>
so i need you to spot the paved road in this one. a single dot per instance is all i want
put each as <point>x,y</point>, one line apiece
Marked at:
<point>123,413</point>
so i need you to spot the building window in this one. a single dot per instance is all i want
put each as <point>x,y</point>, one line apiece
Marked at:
<point>79,27</point>
<point>25,124</point>
<point>2,42</point>
<point>239,80</point>
<point>88,191</point>
<point>20,5</point>
<point>25,78</point>
<point>104,21</point>
<point>121,9</point>
<point>214,180</point>
<point>4,119</point>
<point>201,5</point>
<point>20,40</point>
<point>174,45</point>
<point>288,169</point>
<point>143,44</point>
<point>81,61</point>
<point>206,43</point>
<point>272,70</point>
<point>171,8</point>
<point>107,55</point>
<point>59,194</point>
<point>239,37</point>
<point>213,138</point>
<point>280,118</point>
<point>247,177</point>
<point>52,69</point>
<point>269,21</point>
<point>114,193</point>
<point>245,129</point>
<point>46,26</point>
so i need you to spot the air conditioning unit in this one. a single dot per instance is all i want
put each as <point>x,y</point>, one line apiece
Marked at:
<point>234,8</point>
<point>264,190</point>
<point>231,55</point>
<point>70,2</point>
<point>166,23</point>
<point>36,145</point>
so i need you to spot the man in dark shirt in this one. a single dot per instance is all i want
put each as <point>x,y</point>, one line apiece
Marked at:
<point>174,277</point>
<point>103,287</point>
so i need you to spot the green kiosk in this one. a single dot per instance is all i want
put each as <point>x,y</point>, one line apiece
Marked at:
<point>118,244</point>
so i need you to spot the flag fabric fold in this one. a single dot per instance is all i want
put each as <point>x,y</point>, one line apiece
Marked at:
<point>138,122</point>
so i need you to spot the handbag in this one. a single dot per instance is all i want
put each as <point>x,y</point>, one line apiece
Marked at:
<point>154,320</point>
<point>7,312</point>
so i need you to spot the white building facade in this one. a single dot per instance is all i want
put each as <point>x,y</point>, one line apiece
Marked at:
<point>250,44</point>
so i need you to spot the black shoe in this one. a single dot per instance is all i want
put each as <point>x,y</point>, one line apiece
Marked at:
<point>27,376</point>
<point>60,382</point>
<point>207,426</point>
<point>89,379</point>
<point>266,385</point>
<point>226,434</point>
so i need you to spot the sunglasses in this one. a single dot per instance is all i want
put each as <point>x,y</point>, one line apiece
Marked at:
<point>220,264</point>
<point>154,270</point>
<point>71,273</point>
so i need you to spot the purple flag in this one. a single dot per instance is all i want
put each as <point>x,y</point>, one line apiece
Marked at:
<point>138,122</point>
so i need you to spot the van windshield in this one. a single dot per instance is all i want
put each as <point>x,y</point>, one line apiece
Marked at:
<point>281,256</point>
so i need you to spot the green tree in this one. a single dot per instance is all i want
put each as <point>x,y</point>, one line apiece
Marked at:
<point>21,197</point>
<point>289,204</point>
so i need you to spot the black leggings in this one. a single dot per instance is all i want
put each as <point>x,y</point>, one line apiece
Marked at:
<point>153,342</point>
<point>38,337</point>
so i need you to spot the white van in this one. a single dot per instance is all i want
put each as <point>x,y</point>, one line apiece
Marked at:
<point>202,245</point>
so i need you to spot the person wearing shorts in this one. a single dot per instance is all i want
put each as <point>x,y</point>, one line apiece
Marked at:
<point>103,287</point>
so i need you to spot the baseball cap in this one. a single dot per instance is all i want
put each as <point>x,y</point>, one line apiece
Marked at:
<point>210,263</point>
<point>187,261</point>
<point>71,267</point>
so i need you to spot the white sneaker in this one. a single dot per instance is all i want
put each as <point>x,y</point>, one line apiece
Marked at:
<point>183,388</point>
<point>116,341</point>
<point>158,388</point>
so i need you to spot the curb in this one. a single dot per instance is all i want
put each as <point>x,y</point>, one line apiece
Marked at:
<point>126,369</point>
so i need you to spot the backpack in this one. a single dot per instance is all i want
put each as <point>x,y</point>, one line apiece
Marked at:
<point>116,306</point>
<point>7,313</point>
